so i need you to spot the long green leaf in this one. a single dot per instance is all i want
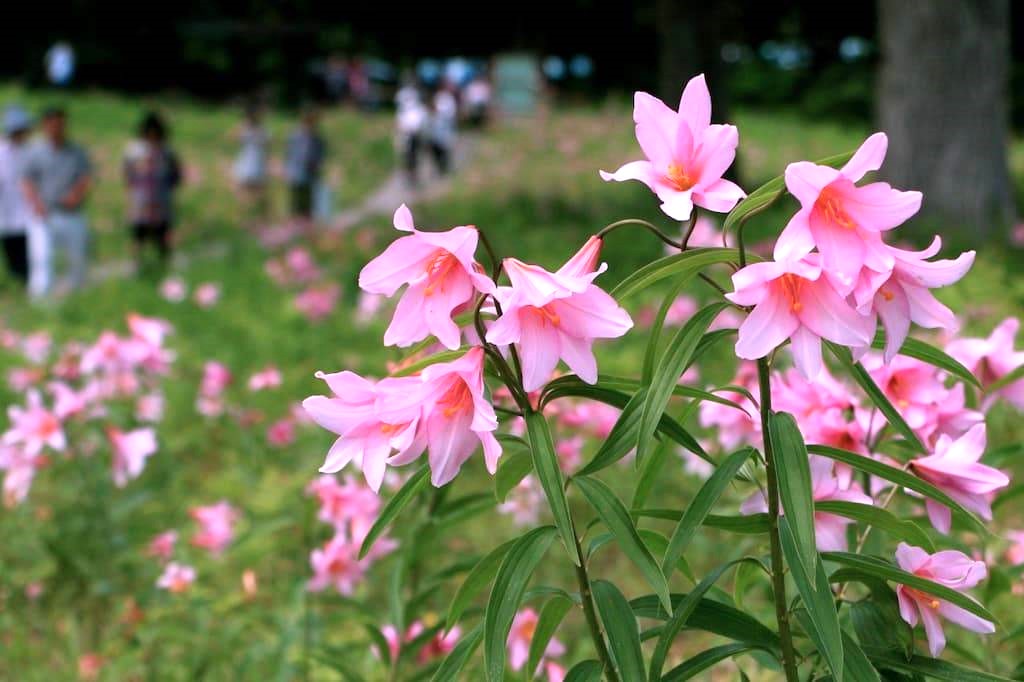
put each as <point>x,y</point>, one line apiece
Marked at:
<point>433,359</point>
<point>856,666</point>
<point>507,594</point>
<point>550,618</point>
<point>794,474</point>
<point>678,265</point>
<point>868,385</point>
<point>615,516</point>
<point>549,473</point>
<point>897,476</point>
<point>700,507</point>
<point>650,473</point>
<point>456,660</point>
<point>667,372</point>
<point>714,617</point>
<point>613,391</point>
<point>512,469</point>
<point>887,571</point>
<point>680,616</point>
<point>692,667</point>
<point>585,671</point>
<point>752,524</point>
<point>621,629</point>
<point>394,506</point>
<point>929,667</point>
<point>817,598</point>
<point>878,518</point>
<point>481,575</point>
<point>654,335</point>
<point>925,352</point>
<point>623,436</point>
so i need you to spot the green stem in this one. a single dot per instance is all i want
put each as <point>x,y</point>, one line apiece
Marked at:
<point>778,574</point>
<point>591,613</point>
<point>644,224</point>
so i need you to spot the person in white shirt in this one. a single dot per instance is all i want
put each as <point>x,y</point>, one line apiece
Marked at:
<point>411,118</point>
<point>443,116</point>
<point>14,216</point>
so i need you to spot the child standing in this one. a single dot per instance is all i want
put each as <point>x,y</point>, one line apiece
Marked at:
<point>304,157</point>
<point>250,168</point>
<point>151,174</point>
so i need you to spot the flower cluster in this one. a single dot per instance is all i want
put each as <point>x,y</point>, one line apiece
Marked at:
<point>84,390</point>
<point>444,409</point>
<point>350,508</point>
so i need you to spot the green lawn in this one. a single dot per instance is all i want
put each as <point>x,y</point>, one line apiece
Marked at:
<point>533,187</point>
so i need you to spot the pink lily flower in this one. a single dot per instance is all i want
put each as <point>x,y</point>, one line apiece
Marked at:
<point>557,315</point>
<point>843,220</point>
<point>365,434</point>
<point>350,506</point>
<point>993,358</point>
<point>439,646</point>
<point>150,407</point>
<point>270,377</point>
<point>441,275</point>
<point>207,294</point>
<point>829,529</point>
<point>1015,552</point>
<point>793,301</point>
<point>521,634</point>
<point>337,563</point>
<point>176,578</point>
<point>903,295</point>
<point>131,450</point>
<point>686,154</point>
<point>950,568</point>
<point>20,471</point>
<point>162,546</point>
<point>34,427</point>
<point>914,388</point>
<point>524,502</point>
<point>216,526</point>
<point>457,416</point>
<point>954,468</point>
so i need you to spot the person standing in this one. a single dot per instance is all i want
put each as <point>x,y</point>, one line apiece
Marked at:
<point>14,217</point>
<point>411,118</point>
<point>56,178</point>
<point>250,169</point>
<point>151,174</point>
<point>304,157</point>
<point>443,116</point>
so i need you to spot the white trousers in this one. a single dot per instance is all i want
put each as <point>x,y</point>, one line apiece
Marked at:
<point>58,235</point>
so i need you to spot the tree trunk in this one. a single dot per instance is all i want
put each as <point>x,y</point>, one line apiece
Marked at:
<point>943,101</point>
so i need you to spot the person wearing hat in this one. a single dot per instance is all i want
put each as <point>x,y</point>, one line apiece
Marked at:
<point>14,217</point>
<point>56,179</point>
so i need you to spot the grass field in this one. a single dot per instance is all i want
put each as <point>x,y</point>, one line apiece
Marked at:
<point>533,187</point>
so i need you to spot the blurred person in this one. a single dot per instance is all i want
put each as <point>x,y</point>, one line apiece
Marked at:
<point>303,162</point>
<point>359,83</point>
<point>56,179</point>
<point>14,216</point>
<point>411,118</point>
<point>477,99</point>
<point>60,63</point>
<point>151,174</point>
<point>336,78</point>
<point>444,113</point>
<point>250,169</point>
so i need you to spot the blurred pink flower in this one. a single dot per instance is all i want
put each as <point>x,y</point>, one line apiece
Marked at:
<point>318,301</point>
<point>150,407</point>
<point>337,565</point>
<point>36,347</point>
<point>162,545</point>
<point>207,294</point>
<point>174,289</point>
<point>441,274</point>
<point>176,578</point>
<point>1015,552</point>
<point>131,449</point>
<point>34,427</point>
<point>993,358</point>
<point>951,569</point>
<point>216,526</point>
<point>735,427</point>
<point>269,377</point>
<point>954,468</point>
<point>521,634</point>
<point>686,154</point>
<point>524,502</point>
<point>281,433</point>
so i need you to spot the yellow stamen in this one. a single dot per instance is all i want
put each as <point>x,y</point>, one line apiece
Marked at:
<point>679,177</point>
<point>832,206</point>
